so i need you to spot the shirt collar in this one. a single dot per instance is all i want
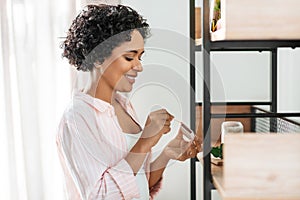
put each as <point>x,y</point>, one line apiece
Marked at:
<point>103,106</point>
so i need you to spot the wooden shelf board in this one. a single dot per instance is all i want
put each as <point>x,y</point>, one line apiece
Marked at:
<point>257,20</point>
<point>260,171</point>
<point>259,166</point>
<point>249,194</point>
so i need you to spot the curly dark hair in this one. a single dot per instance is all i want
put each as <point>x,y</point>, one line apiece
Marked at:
<point>97,30</point>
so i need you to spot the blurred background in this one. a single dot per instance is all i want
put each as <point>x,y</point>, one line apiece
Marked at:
<point>36,85</point>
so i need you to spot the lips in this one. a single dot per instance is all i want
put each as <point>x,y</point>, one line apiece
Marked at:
<point>130,78</point>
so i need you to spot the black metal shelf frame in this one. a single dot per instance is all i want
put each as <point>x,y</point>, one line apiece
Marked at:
<point>233,45</point>
<point>192,95</point>
<point>239,103</point>
<point>250,45</point>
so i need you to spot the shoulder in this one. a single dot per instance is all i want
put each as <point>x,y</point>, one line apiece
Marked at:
<point>78,109</point>
<point>77,115</point>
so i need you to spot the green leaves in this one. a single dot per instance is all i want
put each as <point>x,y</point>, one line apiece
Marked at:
<point>217,151</point>
<point>217,6</point>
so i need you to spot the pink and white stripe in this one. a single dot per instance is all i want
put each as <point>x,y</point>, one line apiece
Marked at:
<point>92,148</point>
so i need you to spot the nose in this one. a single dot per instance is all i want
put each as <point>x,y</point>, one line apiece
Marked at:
<point>138,66</point>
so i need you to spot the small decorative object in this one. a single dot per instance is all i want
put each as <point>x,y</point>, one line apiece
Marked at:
<point>227,127</point>
<point>216,15</point>
<point>231,127</point>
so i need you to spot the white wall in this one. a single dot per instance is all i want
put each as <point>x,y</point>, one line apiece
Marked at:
<point>237,76</point>
<point>165,79</point>
<point>289,78</point>
<point>243,76</point>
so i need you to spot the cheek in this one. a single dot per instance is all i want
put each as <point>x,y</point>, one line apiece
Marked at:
<point>115,72</point>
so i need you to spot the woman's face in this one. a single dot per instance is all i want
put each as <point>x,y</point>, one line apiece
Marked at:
<point>121,69</point>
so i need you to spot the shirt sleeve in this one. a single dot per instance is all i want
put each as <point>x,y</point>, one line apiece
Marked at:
<point>92,162</point>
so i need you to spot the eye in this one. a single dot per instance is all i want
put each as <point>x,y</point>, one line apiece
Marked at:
<point>128,58</point>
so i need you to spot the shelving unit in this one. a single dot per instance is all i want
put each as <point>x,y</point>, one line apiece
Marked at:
<point>226,45</point>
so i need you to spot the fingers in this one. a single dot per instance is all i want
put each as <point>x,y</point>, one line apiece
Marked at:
<point>163,114</point>
<point>167,123</point>
<point>192,152</point>
<point>184,149</point>
<point>197,143</point>
<point>194,148</point>
<point>166,129</point>
<point>162,120</point>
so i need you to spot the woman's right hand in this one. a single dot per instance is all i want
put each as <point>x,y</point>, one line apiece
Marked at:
<point>157,124</point>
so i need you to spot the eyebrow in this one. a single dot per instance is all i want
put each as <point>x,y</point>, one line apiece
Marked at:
<point>134,51</point>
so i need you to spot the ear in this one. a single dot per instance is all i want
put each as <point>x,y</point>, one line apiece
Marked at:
<point>98,66</point>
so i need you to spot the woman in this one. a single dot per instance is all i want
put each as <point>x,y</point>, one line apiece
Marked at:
<point>104,151</point>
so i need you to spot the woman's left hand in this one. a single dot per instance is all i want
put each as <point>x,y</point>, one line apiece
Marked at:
<point>179,149</point>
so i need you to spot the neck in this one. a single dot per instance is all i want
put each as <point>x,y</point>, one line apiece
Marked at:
<point>105,92</point>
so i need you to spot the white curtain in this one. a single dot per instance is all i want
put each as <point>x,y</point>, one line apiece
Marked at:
<point>35,87</point>
<point>34,90</point>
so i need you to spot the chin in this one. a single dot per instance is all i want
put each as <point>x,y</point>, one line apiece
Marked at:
<point>126,89</point>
